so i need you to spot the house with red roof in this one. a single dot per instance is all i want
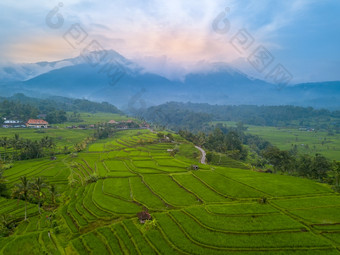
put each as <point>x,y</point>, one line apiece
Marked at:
<point>33,123</point>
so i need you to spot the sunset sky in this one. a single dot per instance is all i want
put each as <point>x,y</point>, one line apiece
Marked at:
<point>173,37</point>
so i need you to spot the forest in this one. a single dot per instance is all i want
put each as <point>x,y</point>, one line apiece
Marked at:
<point>191,115</point>
<point>21,107</point>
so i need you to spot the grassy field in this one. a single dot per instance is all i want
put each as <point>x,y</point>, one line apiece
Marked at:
<point>213,210</point>
<point>307,142</point>
<point>62,136</point>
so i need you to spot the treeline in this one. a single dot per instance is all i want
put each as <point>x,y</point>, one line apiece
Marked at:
<point>235,144</point>
<point>315,167</point>
<point>105,130</point>
<point>227,140</point>
<point>17,148</point>
<point>22,107</point>
<point>175,118</point>
<point>19,111</point>
<point>248,114</point>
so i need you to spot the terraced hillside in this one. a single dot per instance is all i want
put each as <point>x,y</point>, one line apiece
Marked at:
<point>213,210</point>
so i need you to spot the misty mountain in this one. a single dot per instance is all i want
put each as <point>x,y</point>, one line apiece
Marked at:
<point>109,76</point>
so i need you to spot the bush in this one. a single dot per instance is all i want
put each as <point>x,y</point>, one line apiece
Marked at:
<point>149,225</point>
<point>91,179</point>
<point>263,200</point>
<point>336,188</point>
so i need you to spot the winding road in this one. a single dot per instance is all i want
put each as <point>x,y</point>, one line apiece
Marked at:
<point>203,154</point>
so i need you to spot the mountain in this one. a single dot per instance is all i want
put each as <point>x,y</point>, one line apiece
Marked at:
<point>109,76</point>
<point>22,72</point>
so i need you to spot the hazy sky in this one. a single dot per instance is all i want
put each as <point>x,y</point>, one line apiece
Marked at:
<point>173,36</point>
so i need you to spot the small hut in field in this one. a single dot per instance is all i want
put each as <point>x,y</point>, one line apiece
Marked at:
<point>144,216</point>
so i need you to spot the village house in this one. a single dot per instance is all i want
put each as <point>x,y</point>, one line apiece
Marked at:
<point>33,123</point>
<point>13,124</point>
<point>112,122</point>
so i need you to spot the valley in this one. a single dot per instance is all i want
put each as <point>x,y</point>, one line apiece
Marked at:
<point>212,210</point>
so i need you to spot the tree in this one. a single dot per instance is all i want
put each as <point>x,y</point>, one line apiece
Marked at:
<point>281,160</point>
<point>22,191</point>
<point>3,187</point>
<point>170,136</point>
<point>6,224</point>
<point>320,167</point>
<point>4,142</point>
<point>53,192</point>
<point>38,185</point>
<point>201,139</point>
<point>160,135</point>
<point>336,172</point>
<point>304,165</point>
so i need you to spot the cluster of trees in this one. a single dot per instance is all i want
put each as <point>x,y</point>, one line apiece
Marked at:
<point>22,107</point>
<point>17,148</point>
<point>315,167</point>
<point>17,110</point>
<point>223,141</point>
<point>34,191</point>
<point>80,146</point>
<point>104,131</point>
<point>175,114</point>
<point>74,117</point>
<point>55,117</point>
<point>232,141</point>
<point>227,140</point>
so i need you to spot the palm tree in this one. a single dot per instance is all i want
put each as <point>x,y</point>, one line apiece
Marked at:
<point>3,187</point>
<point>6,220</point>
<point>1,145</point>
<point>54,193</point>
<point>23,191</point>
<point>38,186</point>
<point>16,141</point>
<point>336,172</point>
<point>4,143</point>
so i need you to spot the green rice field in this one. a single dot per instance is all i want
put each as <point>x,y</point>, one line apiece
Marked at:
<point>213,210</point>
<point>307,142</point>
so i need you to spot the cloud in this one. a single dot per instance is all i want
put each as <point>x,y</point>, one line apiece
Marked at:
<point>160,34</point>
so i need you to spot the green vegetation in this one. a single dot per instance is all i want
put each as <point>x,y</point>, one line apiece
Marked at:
<point>305,142</point>
<point>87,202</point>
<point>186,115</point>
<point>23,108</point>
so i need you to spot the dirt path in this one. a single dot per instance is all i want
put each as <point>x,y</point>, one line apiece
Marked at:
<point>203,154</point>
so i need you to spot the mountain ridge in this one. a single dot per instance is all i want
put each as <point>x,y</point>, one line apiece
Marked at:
<point>91,76</point>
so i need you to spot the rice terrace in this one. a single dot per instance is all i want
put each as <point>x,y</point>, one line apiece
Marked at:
<point>207,127</point>
<point>212,210</point>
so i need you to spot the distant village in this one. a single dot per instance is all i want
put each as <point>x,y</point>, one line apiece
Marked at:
<point>40,123</point>
<point>31,123</point>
